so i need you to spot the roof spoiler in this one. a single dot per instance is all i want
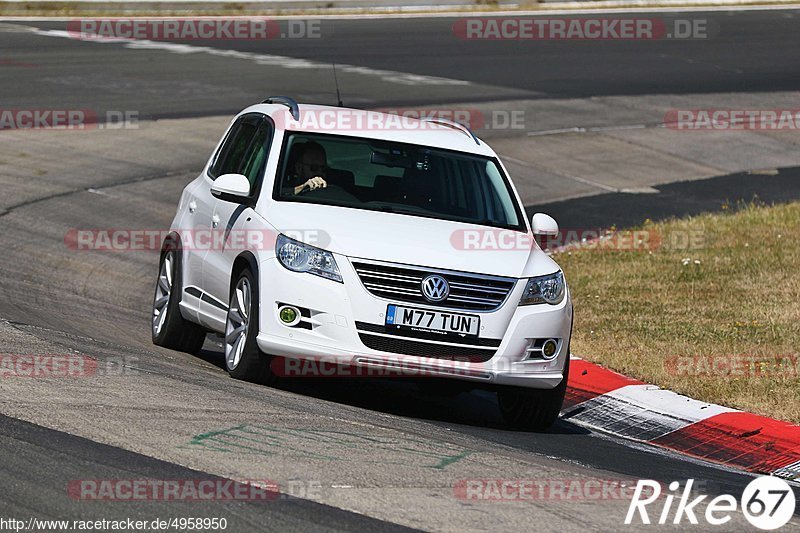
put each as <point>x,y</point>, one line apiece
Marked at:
<point>291,103</point>
<point>455,125</point>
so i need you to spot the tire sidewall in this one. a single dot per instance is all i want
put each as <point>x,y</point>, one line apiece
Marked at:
<point>172,306</point>
<point>251,355</point>
<point>520,406</point>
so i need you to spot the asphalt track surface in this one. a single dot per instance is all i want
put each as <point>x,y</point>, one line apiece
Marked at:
<point>55,301</point>
<point>45,461</point>
<point>675,199</point>
<point>747,52</point>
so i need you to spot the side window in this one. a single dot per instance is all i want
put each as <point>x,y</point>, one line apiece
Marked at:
<point>229,158</point>
<point>256,157</point>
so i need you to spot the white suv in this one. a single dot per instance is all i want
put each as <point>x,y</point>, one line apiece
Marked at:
<point>373,241</point>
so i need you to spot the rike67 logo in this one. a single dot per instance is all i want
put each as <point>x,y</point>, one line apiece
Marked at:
<point>767,502</point>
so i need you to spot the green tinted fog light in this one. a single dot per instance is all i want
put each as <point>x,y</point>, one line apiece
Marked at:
<point>549,348</point>
<point>289,315</point>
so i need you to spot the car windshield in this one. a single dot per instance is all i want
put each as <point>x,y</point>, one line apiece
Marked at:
<point>395,177</point>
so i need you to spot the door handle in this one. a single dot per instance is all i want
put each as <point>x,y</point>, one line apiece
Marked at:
<point>215,220</point>
<point>192,206</point>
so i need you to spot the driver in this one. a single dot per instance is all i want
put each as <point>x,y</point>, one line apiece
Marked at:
<point>310,169</point>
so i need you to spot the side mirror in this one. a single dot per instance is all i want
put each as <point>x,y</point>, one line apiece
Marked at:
<point>542,224</point>
<point>231,188</point>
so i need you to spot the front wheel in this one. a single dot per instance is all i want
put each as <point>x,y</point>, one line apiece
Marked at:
<point>243,359</point>
<point>533,409</point>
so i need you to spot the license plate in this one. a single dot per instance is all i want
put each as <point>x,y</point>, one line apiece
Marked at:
<point>432,321</point>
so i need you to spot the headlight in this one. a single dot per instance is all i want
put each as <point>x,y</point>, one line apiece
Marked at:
<point>544,289</point>
<point>300,257</point>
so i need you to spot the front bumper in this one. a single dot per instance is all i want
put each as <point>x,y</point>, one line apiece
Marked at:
<point>330,333</point>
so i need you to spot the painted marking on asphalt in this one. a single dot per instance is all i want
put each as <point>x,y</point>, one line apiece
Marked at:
<point>628,411</point>
<point>251,439</point>
<point>92,190</point>
<point>600,399</point>
<point>789,472</point>
<point>390,76</point>
<point>597,184</point>
<point>588,381</point>
<point>739,439</point>
<point>595,129</point>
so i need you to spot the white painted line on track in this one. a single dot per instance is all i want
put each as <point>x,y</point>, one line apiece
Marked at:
<point>390,76</point>
<point>595,129</point>
<point>597,184</point>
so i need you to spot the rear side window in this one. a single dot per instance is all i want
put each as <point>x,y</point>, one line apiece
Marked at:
<point>256,156</point>
<point>230,157</point>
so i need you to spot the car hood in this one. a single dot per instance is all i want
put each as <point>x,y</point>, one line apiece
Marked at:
<point>411,240</point>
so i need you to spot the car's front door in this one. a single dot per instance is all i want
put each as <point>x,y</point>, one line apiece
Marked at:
<point>231,221</point>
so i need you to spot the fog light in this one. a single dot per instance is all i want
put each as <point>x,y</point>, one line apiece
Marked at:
<point>289,315</point>
<point>549,348</point>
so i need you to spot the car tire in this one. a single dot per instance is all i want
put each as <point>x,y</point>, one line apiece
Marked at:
<point>167,325</point>
<point>243,358</point>
<point>533,409</point>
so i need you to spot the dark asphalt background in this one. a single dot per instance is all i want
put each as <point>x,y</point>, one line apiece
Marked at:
<point>748,51</point>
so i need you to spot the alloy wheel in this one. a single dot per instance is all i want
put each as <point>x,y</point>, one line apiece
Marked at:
<point>237,325</point>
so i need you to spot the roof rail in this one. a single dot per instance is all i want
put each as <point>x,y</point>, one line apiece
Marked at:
<point>289,102</point>
<point>455,125</point>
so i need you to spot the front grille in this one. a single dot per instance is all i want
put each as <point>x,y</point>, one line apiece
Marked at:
<point>426,349</point>
<point>467,291</point>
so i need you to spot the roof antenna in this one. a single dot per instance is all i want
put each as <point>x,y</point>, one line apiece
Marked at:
<point>336,81</point>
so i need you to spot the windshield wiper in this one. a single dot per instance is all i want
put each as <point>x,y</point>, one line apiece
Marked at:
<point>400,211</point>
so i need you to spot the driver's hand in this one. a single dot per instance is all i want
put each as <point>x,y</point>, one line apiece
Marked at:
<point>315,183</point>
